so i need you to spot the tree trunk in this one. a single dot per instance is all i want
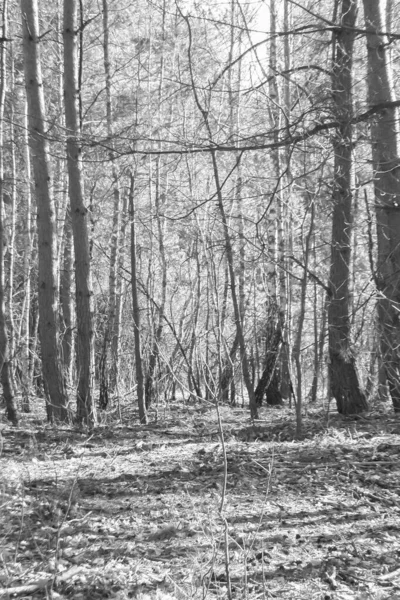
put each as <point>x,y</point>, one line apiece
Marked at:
<point>12,230</point>
<point>344,380</point>
<point>5,365</point>
<point>27,259</point>
<point>158,330</point>
<point>136,311</point>
<point>226,382</point>
<point>84,310</point>
<point>386,167</point>
<point>269,382</point>
<point>111,343</point>
<point>66,286</point>
<point>300,323</point>
<point>47,290</point>
<point>273,340</point>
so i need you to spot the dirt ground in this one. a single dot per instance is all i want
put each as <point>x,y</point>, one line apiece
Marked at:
<point>130,511</point>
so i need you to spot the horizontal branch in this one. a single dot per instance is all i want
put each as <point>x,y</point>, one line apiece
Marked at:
<point>287,141</point>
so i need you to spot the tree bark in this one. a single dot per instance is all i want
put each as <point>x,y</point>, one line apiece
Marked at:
<point>270,381</point>
<point>344,380</point>
<point>66,299</point>
<point>158,330</point>
<point>5,365</point>
<point>86,410</point>
<point>111,342</point>
<point>300,323</point>
<point>25,326</point>
<point>136,311</point>
<point>47,290</point>
<point>386,171</point>
<point>273,341</point>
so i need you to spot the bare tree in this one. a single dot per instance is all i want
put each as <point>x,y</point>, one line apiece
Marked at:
<point>386,172</point>
<point>109,371</point>
<point>5,365</point>
<point>344,380</point>
<point>47,288</point>
<point>84,309</point>
<point>136,308</point>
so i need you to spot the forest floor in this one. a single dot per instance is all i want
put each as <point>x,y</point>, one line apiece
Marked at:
<point>132,511</point>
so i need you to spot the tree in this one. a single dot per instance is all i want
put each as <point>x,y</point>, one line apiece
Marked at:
<point>386,177</point>
<point>84,309</point>
<point>47,279</point>
<point>109,372</point>
<point>243,146</point>
<point>344,379</point>
<point>136,309</point>
<point>5,364</point>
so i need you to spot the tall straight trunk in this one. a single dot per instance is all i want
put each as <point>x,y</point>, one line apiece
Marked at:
<point>275,202</point>
<point>285,232</point>
<point>12,231</point>
<point>120,293</point>
<point>194,382</point>
<point>84,296</point>
<point>319,318</point>
<point>344,380</point>
<point>386,172</point>
<point>300,323</point>
<point>66,299</point>
<point>161,192</point>
<point>154,353</point>
<point>47,252</point>
<point>5,365</point>
<point>136,310</point>
<point>227,370</point>
<point>111,341</point>
<point>269,382</point>
<point>27,258</point>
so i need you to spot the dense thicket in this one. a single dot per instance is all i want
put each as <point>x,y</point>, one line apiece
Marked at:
<point>217,214</point>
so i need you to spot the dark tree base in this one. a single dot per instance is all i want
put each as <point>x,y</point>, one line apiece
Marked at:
<point>394,388</point>
<point>273,393</point>
<point>345,386</point>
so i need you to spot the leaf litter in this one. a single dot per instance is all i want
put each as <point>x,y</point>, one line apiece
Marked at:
<point>132,511</point>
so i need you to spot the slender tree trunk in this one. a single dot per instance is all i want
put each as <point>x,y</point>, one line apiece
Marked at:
<point>300,324</point>
<point>344,379</point>
<point>386,167</point>
<point>154,352</point>
<point>120,293</point>
<point>111,335</point>
<point>84,310</point>
<point>136,311</point>
<point>12,233</point>
<point>319,339</point>
<point>66,283</point>
<point>285,228</point>
<point>269,382</point>
<point>194,382</point>
<point>27,258</point>
<point>161,194</point>
<point>227,365</point>
<point>48,296</point>
<point>5,365</point>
